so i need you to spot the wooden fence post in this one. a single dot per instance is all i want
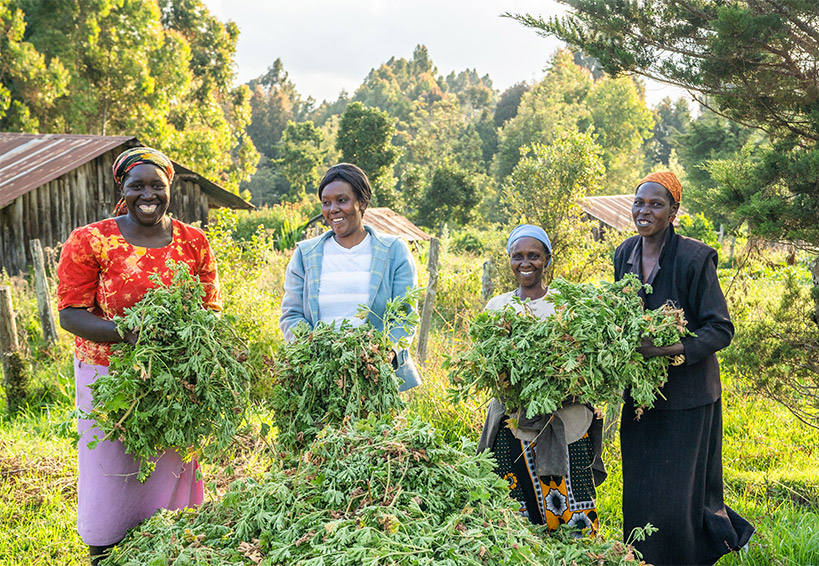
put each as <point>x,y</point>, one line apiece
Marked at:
<point>43,296</point>
<point>13,370</point>
<point>429,302</point>
<point>611,421</point>
<point>486,282</point>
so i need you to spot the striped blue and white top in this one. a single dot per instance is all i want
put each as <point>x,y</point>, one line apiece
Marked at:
<point>345,280</point>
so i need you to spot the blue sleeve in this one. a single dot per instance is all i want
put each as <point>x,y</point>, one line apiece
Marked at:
<point>293,307</point>
<point>404,277</point>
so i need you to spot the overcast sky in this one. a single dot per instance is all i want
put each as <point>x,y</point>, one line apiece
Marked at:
<point>330,45</point>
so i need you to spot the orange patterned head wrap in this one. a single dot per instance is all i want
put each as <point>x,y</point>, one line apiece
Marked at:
<point>668,180</point>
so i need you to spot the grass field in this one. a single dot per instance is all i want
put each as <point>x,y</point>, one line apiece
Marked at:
<point>771,460</point>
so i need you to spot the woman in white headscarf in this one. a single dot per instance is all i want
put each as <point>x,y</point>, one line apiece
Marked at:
<point>552,462</point>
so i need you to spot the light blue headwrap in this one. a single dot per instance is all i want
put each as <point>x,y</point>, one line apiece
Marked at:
<point>528,230</point>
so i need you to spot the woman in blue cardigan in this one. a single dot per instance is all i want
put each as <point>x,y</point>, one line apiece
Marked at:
<point>352,264</point>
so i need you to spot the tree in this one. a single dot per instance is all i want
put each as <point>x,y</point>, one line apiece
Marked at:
<point>365,139</point>
<point>546,187</point>
<point>274,102</point>
<point>508,103</point>
<point>554,104</point>
<point>752,61</point>
<point>449,197</point>
<point>161,71</point>
<point>622,123</point>
<point>671,120</point>
<point>710,137</point>
<point>28,86</point>
<point>300,156</point>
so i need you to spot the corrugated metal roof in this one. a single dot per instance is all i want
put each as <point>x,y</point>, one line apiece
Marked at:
<point>28,161</point>
<point>615,211</point>
<point>387,221</point>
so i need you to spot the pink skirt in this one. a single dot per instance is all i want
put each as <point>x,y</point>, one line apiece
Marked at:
<point>110,500</point>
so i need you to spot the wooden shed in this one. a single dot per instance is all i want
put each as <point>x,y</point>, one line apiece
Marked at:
<point>53,183</point>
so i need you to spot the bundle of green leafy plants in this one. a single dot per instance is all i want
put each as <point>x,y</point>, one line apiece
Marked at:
<point>586,350</point>
<point>328,374</point>
<point>182,385</point>
<point>377,492</point>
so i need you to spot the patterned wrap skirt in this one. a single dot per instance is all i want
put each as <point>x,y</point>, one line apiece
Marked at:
<point>569,499</point>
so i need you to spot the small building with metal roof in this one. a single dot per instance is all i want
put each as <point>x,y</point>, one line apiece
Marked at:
<point>383,219</point>
<point>613,212</point>
<point>53,183</point>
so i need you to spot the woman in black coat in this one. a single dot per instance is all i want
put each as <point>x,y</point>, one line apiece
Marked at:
<point>672,456</point>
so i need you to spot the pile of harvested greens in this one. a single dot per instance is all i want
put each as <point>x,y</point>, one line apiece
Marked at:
<point>378,492</point>
<point>328,374</point>
<point>183,384</point>
<point>587,349</point>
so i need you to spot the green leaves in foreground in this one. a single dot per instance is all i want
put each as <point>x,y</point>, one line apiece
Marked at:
<point>182,386</point>
<point>327,374</point>
<point>586,349</point>
<point>375,492</point>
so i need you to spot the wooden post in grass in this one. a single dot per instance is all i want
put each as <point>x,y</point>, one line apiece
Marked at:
<point>429,302</point>
<point>611,421</point>
<point>13,372</point>
<point>43,296</point>
<point>486,282</point>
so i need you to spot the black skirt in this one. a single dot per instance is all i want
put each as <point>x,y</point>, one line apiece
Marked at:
<point>568,499</point>
<point>672,478</point>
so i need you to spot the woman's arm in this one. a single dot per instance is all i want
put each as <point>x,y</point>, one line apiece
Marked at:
<point>83,323</point>
<point>715,329</point>
<point>293,307</point>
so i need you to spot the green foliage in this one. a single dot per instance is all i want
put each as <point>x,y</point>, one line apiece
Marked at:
<point>550,107</point>
<point>300,157</point>
<point>508,103</point>
<point>587,349</point>
<point>161,71</point>
<point>396,84</point>
<point>547,186</point>
<point>753,61</point>
<point>274,102</point>
<point>622,122</point>
<point>182,385</point>
<point>698,227</point>
<point>365,139</point>
<point>449,197</point>
<point>29,87</point>
<point>672,120</point>
<point>776,348</point>
<point>328,375</point>
<point>377,491</point>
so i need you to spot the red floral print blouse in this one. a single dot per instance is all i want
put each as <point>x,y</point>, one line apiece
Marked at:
<point>102,272</point>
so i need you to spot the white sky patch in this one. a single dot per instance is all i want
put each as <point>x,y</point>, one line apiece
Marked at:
<point>327,45</point>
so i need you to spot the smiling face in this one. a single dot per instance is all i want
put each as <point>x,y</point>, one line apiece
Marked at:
<point>652,210</point>
<point>528,259</point>
<point>342,210</point>
<point>146,191</point>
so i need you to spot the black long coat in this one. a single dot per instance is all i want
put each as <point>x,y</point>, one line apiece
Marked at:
<point>672,456</point>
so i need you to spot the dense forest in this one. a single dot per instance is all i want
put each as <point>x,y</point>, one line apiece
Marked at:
<point>441,146</point>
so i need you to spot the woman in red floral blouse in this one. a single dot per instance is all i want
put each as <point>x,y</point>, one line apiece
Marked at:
<point>104,269</point>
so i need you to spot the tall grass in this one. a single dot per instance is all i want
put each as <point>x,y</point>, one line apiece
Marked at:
<point>770,458</point>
